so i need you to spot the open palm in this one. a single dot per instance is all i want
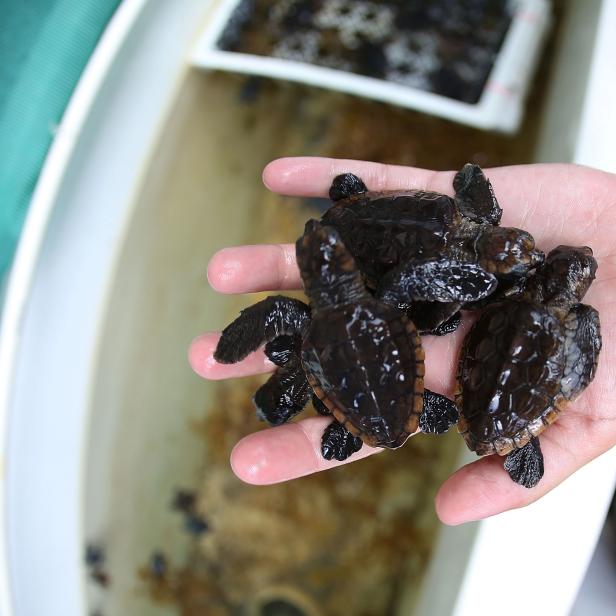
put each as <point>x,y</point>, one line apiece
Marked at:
<point>558,204</point>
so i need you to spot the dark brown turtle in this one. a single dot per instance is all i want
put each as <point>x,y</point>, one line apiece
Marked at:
<point>389,231</point>
<point>525,359</point>
<point>359,358</point>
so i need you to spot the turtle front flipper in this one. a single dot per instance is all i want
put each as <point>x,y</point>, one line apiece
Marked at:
<point>475,197</point>
<point>287,391</point>
<point>282,350</point>
<point>346,185</point>
<point>582,347</point>
<point>268,319</point>
<point>338,443</point>
<point>448,326</point>
<point>284,395</point>
<point>439,413</point>
<point>443,280</point>
<point>525,465</point>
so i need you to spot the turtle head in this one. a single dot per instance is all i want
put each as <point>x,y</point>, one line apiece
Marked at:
<point>327,268</point>
<point>567,274</point>
<point>507,251</point>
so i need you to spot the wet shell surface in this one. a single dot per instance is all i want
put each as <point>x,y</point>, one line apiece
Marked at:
<point>366,364</point>
<point>382,229</point>
<point>509,377</point>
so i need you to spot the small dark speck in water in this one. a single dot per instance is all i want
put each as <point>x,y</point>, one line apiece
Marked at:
<point>196,525</point>
<point>250,90</point>
<point>100,577</point>
<point>95,561</point>
<point>158,565</point>
<point>184,500</point>
<point>95,555</point>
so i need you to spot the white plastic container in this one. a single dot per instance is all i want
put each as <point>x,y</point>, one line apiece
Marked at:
<point>500,106</point>
<point>107,290</point>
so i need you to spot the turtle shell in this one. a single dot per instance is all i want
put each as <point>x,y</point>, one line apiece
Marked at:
<point>365,362</point>
<point>381,229</point>
<point>509,377</point>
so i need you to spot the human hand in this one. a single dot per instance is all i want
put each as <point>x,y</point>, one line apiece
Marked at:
<point>557,204</point>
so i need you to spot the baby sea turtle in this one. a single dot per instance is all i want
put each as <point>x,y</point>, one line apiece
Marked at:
<point>525,359</point>
<point>359,357</point>
<point>387,231</point>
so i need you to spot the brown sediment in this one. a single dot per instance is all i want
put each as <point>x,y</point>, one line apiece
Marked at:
<point>342,539</point>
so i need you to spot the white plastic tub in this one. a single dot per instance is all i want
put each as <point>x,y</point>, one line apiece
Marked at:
<point>108,289</point>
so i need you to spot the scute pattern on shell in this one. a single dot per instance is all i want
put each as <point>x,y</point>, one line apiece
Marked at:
<point>367,375</point>
<point>416,224</point>
<point>510,373</point>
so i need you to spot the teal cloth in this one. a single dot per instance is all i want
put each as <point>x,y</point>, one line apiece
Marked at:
<point>44,47</point>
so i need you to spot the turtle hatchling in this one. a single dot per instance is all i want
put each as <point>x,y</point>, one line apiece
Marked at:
<point>386,232</point>
<point>358,357</point>
<point>525,359</point>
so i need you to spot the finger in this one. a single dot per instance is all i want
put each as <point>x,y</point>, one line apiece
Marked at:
<point>246,269</point>
<point>479,490</point>
<point>312,176</point>
<point>286,452</point>
<point>483,488</point>
<point>440,360</point>
<point>539,197</point>
<point>201,360</point>
<point>525,192</point>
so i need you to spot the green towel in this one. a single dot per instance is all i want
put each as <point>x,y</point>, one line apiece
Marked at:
<point>44,47</point>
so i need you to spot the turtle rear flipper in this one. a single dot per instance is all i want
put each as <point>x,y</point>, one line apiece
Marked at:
<point>268,319</point>
<point>525,465</point>
<point>284,395</point>
<point>582,347</point>
<point>346,185</point>
<point>338,443</point>
<point>475,197</point>
<point>439,413</point>
<point>442,280</point>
